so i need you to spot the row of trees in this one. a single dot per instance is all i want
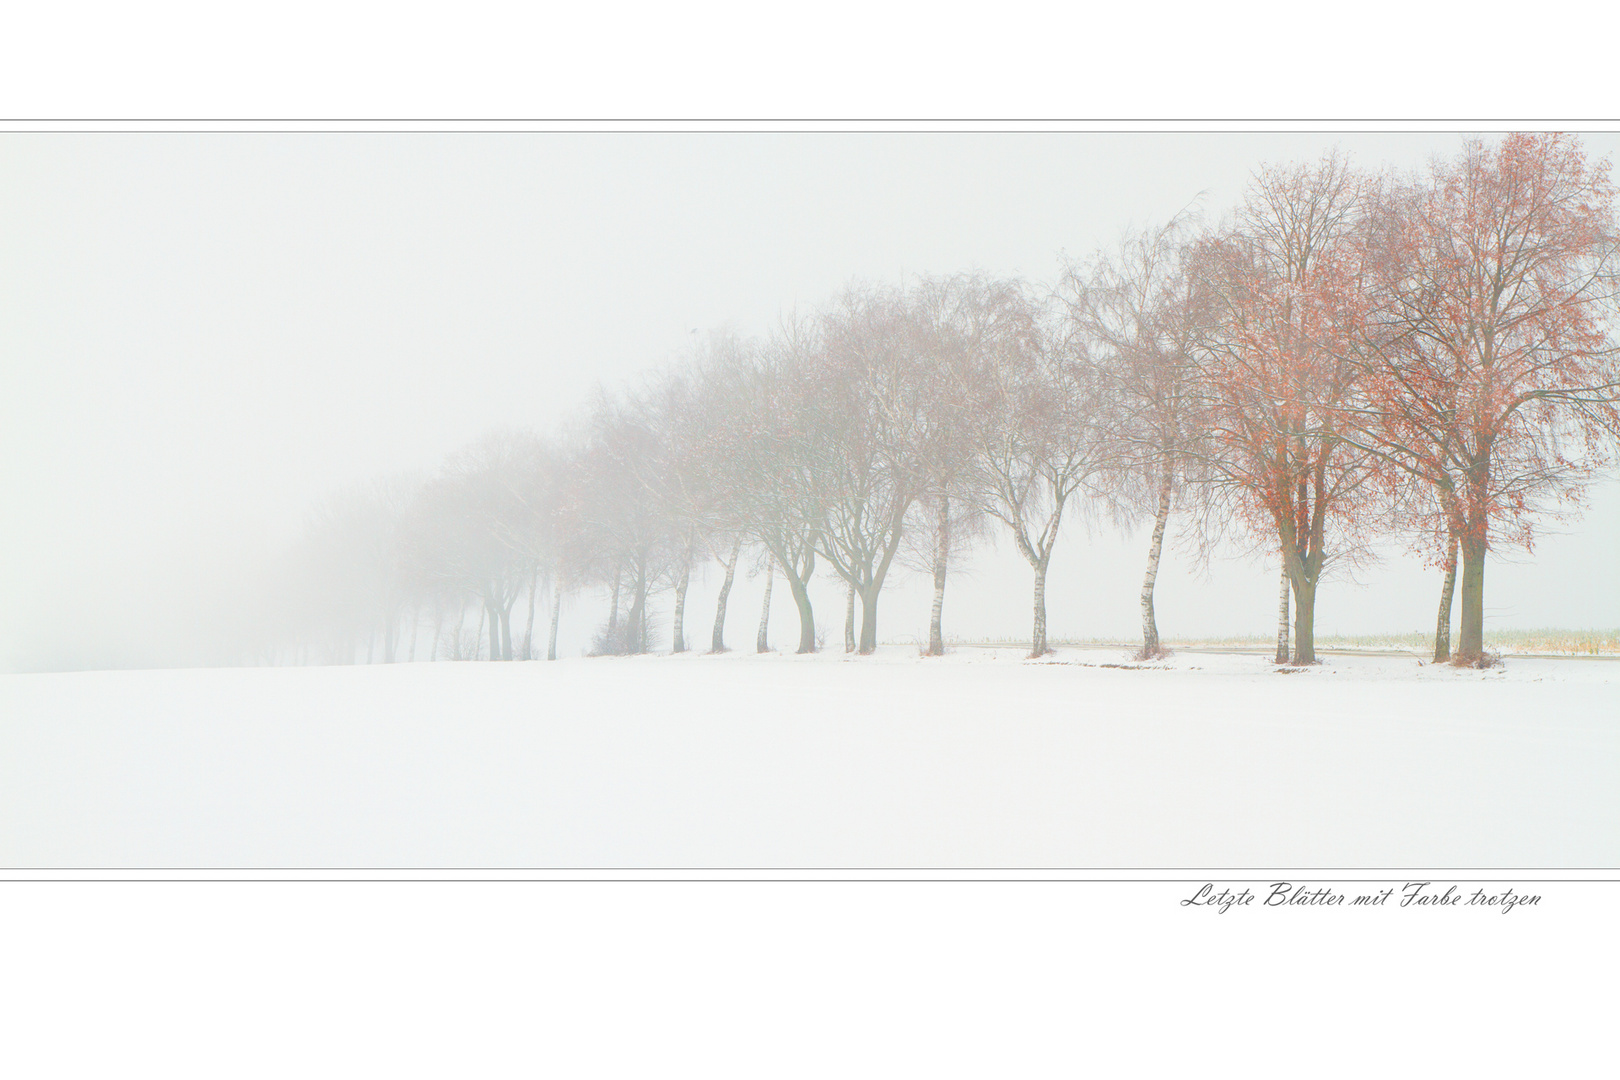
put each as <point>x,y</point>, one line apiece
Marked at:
<point>1348,357</point>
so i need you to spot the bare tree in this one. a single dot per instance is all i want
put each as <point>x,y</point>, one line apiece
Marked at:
<point>675,475</point>
<point>458,540</point>
<point>1136,307</point>
<point>767,440</point>
<point>873,395</point>
<point>957,318</point>
<point>528,476</point>
<point>714,418</point>
<point>620,514</point>
<point>1040,437</point>
<point>351,565</point>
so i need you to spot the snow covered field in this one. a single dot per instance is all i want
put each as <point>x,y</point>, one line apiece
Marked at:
<point>977,760</point>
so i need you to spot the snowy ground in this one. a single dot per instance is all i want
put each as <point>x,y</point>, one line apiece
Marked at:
<point>977,760</point>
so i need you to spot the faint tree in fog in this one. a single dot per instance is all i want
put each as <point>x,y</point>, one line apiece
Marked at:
<point>463,529</point>
<point>957,321</point>
<point>869,378</point>
<point>1041,434</point>
<point>703,458</point>
<point>622,516</point>
<point>533,473</point>
<point>728,475</point>
<point>766,439</point>
<point>353,584</point>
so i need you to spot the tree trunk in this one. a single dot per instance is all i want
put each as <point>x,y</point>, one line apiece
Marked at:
<point>1448,590</point>
<point>494,631</point>
<point>556,614</point>
<point>807,619</point>
<point>613,616</point>
<point>869,602</point>
<point>1304,622</point>
<point>1150,625</point>
<point>1471,627</point>
<point>717,643</point>
<point>478,638</point>
<point>762,642</point>
<point>506,633</point>
<point>942,547</point>
<point>528,629</point>
<point>1037,643</point>
<point>1282,616</point>
<point>635,629</point>
<point>849,620</point>
<point>678,643</point>
<point>874,584</point>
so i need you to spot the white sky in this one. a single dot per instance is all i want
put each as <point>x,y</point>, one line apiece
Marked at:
<point>200,334</point>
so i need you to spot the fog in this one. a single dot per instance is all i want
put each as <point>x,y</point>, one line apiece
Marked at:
<point>203,335</point>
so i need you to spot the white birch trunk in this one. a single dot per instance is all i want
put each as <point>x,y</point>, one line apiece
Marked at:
<point>679,643</point>
<point>942,547</point>
<point>556,614</point>
<point>849,620</point>
<point>528,629</point>
<point>1037,645</point>
<point>1282,616</point>
<point>1150,625</point>
<point>717,641</point>
<point>613,616</point>
<point>762,642</point>
<point>1442,624</point>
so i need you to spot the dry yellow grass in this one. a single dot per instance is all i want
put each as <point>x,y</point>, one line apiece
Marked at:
<point>1550,641</point>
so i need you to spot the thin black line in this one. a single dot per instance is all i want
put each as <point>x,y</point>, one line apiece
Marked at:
<point>653,875</point>
<point>538,131</point>
<point>804,881</point>
<point>801,120</point>
<point>517,127</point>
<point>1206,870</point>
<point>274,130</point>
<point>699,131</point>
